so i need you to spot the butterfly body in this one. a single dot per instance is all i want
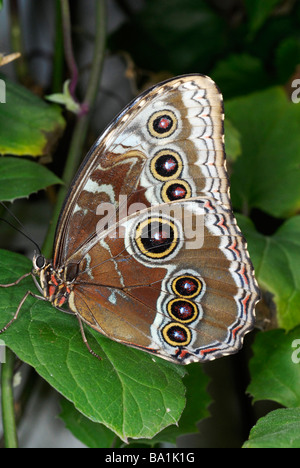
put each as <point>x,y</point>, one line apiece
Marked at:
<point>147,249</point>
<point>54,286</point>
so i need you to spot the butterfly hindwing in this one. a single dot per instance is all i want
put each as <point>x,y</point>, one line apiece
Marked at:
<point>197,279</point>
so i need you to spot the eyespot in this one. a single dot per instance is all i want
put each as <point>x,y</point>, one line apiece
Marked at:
<point>176,190</point>
<point>176,334</point>
<point>187,286</point>
<point>183,310</point>
<point>156,237</point>
<point>162,124</point>
<point>166,164</point>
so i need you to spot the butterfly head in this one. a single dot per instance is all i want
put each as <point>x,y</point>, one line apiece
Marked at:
<point>39,262</point>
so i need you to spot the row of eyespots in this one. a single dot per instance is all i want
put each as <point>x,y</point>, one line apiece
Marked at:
<point>182,310</point>
<point>167,164</point>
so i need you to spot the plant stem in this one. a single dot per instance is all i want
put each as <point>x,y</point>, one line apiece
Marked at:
<point>69,54</point>
<point>7,401</point>
<point>17,41</point>
<point>82,123</point>
<point>58,60</point>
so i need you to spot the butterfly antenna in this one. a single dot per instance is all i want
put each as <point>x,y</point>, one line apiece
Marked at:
<point>16,228</point>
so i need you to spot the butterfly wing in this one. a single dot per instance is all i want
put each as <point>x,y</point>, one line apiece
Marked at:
<point>140,278</point>
<point>166,145</point>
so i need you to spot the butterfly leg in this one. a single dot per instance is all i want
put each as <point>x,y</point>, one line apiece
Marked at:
<point>85,339</point>
<point>29,293</point>
<point>15,282</point>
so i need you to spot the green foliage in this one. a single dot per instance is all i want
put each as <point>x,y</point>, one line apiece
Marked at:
<point>258,12</point>
<point>28,125</point>
<point>129,396</point>
<point>279,429</point>
<point>277,264</point>
<point>240,74</point>
<point>270,156</point>
<point>105,392</point>
<point>93,435</point>
<point>287,57</point>
<point>170,36</point>
<point>97,435</point>
<point>130,392</point>
<point>19,179</point>
<point>275,369</point>
<point>232,142</point>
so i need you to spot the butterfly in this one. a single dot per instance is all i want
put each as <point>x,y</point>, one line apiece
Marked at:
<point>147,250</point>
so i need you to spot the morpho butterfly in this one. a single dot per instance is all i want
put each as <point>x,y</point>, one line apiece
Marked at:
<point>147,250</point>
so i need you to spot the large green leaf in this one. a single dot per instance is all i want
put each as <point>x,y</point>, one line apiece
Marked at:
<point>266,175</point>
<point>131,392</point>
<point>279,429</point>
<point>274,367</point>
<point>96,435</point>
<point>232,141</point>
<point>276,260</point>
<point>93,435</point>
<point>20,177</point>
<point>28,125</point>
<point>197,402</point>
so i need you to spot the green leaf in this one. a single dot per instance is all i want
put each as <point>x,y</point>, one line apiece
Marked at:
<point>287,58</point>
<point>276,260</point>
<point>275,367</point>
<point>266,175</point>
<point>65,98</point>
<point>19,178</point>
<point>28,125</point>
<point>131,392</point>
<point>232,141</point>
<point>239,74</point>
<point>279,429</point>
<point>258,12</point>
<point>198,400</point>
<point>93,435</point>
<point>96,435</point>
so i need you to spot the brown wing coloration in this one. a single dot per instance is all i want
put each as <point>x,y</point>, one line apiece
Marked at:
<point>147,233</point>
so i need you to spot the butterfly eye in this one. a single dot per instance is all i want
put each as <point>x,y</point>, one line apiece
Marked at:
<point>39,262</point>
